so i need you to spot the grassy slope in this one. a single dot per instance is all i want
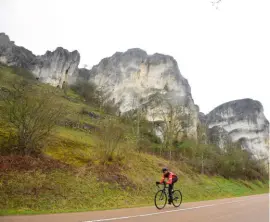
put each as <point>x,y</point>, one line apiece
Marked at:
<point>91,185</point>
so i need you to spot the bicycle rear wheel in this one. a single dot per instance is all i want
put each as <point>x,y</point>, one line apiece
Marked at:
<point>177,198</point>
<point>160,199</point>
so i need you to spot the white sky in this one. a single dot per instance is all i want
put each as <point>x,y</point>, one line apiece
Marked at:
<point>224,53</point>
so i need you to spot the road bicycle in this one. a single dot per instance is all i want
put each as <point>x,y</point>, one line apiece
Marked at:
<point>162,195</point>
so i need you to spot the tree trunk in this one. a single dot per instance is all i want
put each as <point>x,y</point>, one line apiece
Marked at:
<point>202,169</point>
<point>138,126</point>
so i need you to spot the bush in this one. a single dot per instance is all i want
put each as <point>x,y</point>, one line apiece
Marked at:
<point>230,162</point>
<point>111,135</point>
<point>93,96</point>
<point>87,91</point>
<point>237,163</point>
<point>23,73</point>
<point>31,114</point>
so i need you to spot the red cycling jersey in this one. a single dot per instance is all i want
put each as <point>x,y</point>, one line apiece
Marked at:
<point>170,175</point>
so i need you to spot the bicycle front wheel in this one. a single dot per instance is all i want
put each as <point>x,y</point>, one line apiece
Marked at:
<point>177,198</point>
<point>160,199</point>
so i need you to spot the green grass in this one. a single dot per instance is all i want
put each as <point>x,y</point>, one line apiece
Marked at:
<point>94,184</point>
<point>62,191</point>
<point>72,147</point>
<point>82,189</point>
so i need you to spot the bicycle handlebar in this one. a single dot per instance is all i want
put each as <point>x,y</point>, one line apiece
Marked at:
<point>164,184</point>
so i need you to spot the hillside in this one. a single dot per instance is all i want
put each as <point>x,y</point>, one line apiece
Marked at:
<point>93,159</point>
<point>152,86</point>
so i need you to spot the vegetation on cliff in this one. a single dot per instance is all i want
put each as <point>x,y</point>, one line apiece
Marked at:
<point>65,150</point>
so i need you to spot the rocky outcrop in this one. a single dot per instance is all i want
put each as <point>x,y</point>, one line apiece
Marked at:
<point>133,79</point>
<point>219,136</point>
<point>152,83</point>
<point>244,121</point>
<point>56,68</point>
<point>202,118</point>
<point>13,55</point>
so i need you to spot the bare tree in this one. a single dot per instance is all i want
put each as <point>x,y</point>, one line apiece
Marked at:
<point>175,119</point>
<point>101,95</point>
<point>32,115</point>
<point>201,145</point>
<point>111,135</point>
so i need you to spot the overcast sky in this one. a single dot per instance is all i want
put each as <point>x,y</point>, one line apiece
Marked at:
<point>224,53</point>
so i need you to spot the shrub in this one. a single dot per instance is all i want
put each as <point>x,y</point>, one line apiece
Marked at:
<point>23,73</point>
<point>31,115</point>
<point>111,135</point>
<point>86,90</point>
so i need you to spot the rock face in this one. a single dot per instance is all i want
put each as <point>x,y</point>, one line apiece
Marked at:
<point>13,55</point>
<point>133,77</point>
<point>218,136</point>
<point>202,118</point>
<point>244,121</point>
<point>55,68</point>
<point>151,83</point>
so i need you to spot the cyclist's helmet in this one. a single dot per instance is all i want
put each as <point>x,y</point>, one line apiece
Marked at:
<point>164,169</point>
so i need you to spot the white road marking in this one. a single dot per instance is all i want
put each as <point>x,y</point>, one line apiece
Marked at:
<point>170,211</point>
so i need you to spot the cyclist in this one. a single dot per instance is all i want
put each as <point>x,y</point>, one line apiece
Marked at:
<point>172,178</point>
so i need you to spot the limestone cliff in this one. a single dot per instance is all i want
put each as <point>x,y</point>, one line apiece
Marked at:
<point>152,83</point>
<point>54,67</point>
<point>133,78</point>
<point>244,121</point>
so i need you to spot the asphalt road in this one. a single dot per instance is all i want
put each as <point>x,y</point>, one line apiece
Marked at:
<point>247,209</point>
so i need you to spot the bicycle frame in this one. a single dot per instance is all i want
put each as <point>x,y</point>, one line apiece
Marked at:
<point>164,188</point>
